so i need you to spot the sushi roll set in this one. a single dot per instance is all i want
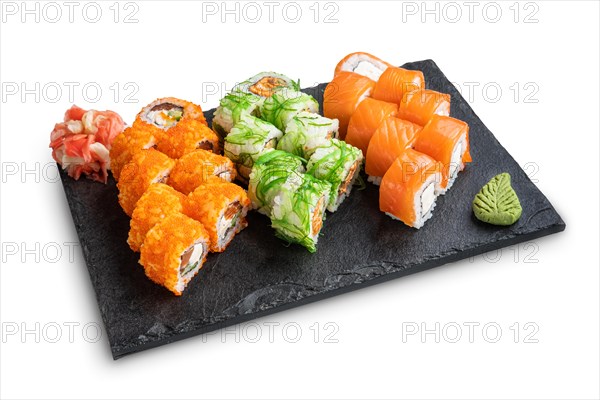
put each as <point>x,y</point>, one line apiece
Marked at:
<point>414,150</point>
<point>175,174</point>
<point>177,190</point>
<point>288,154</point>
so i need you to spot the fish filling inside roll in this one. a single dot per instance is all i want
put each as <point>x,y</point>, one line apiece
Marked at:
<point>230,223</point>
<point>164,115</point>
<point>191,260</point>
<point>267,85</point>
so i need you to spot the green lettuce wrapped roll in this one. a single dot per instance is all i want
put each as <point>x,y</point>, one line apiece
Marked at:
<point>298,217</point>
<point>284,105</point>
<point>339,164</point>
<point>232,108</point>
<point>275,175</point>
<point>306,132</point>
<point>247,140</point>
<point>265,84</point>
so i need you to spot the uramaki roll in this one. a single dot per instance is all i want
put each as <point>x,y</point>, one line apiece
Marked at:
<point>247,140</point>
<point>446,140</point>
<point>420,105</point>
<point>275,176</point>
<point>339,164</point>
<point>194,168</point>
<point>183,139</point>
<point>146,167</point>
<point>395,82</point>
<point>366,119</point>
<point>364,64</point>
<point>391,138</point>
<point>221,207</point>
<point>232,108</point>
<point>409,188</point>
<point>306,132</point>
<point>284,105</point>
<point>174,251</point>
<point>126,144</point>
<point>343,95</point>
<point>155,204</point>
<point>298,216</point>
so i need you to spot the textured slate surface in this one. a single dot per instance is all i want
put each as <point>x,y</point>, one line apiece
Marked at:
<point>258,275</point>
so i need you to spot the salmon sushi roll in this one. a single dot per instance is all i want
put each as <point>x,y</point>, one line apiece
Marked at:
<point>343,95</point>
<point>163,114</point>
<point>362,63</point>
<point>391,139</point>
<point>365,121</point>
<point>420,105</point>
<point>395,82</point>
<point>184,139</point>
<point>221,207</point>
<point>408,188</point>
<point>446,140</point>
<point>174,250</point>
<point>126,144</point>
<point>155,204</point>
<point>146,167</point>
<point>191,170</point>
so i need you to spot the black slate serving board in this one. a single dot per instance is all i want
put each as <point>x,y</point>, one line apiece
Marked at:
<point>259,275</point>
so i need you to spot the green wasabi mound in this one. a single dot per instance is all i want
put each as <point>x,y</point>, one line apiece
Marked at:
<point>497,203</point>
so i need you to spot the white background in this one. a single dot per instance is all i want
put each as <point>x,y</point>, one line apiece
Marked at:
<point>551,126</point>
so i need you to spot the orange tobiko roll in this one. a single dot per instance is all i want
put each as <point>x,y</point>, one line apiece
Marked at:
<point>391,139</point>
<point>163,114</point>
<point>395,82</point>
<point>174,250</point>
<point>342,95</point>
<point>221,206</point>
<point>156,203</point>
<point>126,144</point>
<point>145,168</point>
<point>181,140</point>
<point>194,168</point>
<point>420,105</point>
<point>365,121</point>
